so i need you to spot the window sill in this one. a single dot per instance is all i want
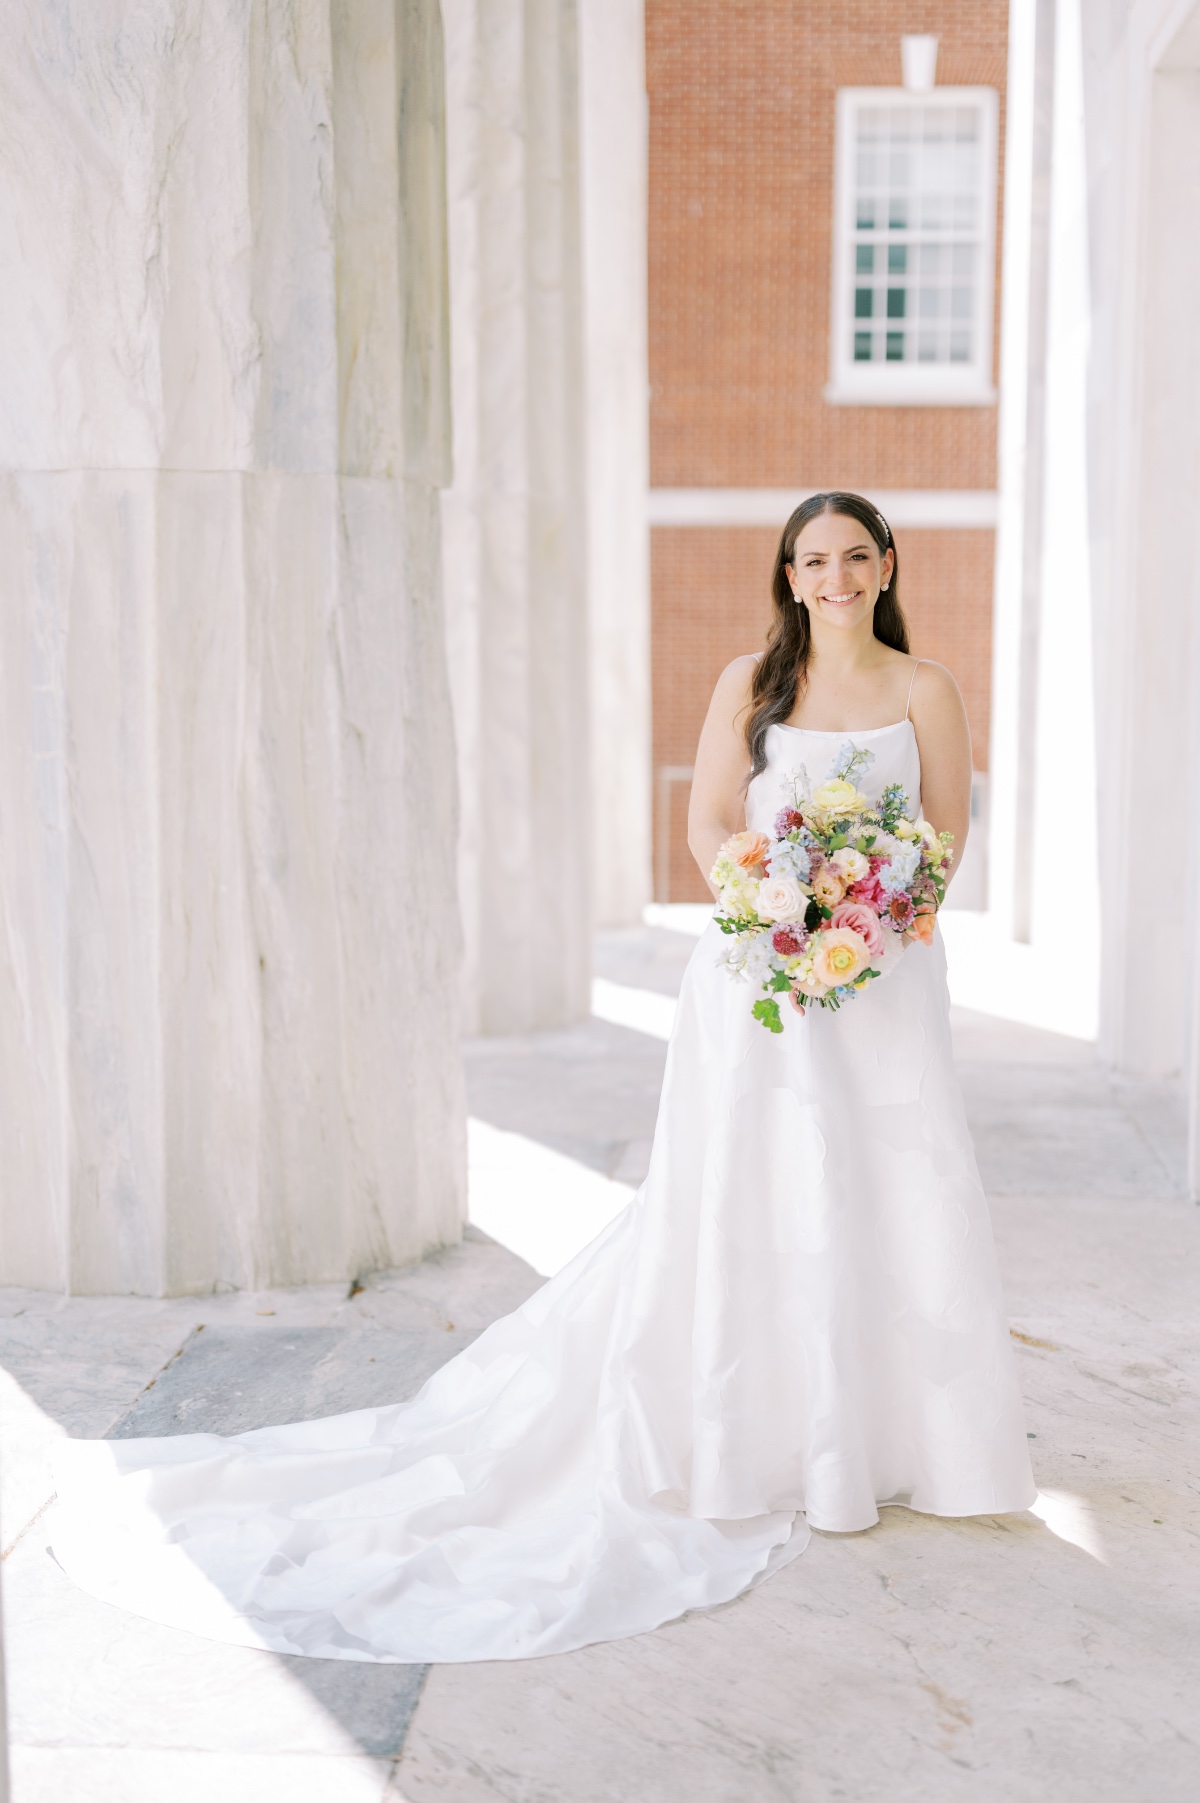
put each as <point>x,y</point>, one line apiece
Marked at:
<point>897,392</point>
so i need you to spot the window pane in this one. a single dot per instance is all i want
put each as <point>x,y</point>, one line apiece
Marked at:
<point>917,170</point>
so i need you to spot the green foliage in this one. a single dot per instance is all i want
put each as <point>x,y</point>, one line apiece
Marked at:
<point>893,804</point>
<point>780,980</point>
<point>726,925</point>
<point>812,915</point>
<point>767,1011</point>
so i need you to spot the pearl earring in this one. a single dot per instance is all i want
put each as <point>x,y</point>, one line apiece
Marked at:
<point>886,587</point>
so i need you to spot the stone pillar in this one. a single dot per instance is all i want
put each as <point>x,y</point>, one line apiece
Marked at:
<point>1142,70</point>
<point>230,942</point>
<point>4,1790</point>
<point>514,534</point>
<point>615,172</point>
<point>1043,705</point>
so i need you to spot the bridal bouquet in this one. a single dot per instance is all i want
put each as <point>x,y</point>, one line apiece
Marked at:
<point>829,903</point>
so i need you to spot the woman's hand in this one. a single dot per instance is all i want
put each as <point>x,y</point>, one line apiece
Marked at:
<point>718,803</point>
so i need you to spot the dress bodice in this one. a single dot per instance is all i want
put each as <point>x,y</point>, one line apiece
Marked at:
<point>800,755</point>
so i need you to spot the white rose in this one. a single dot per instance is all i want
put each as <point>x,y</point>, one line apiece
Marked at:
<point>904,829</point>
<point>850,865</point>
<point>781,898</point>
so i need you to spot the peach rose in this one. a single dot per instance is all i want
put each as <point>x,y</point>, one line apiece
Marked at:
<point>841,956</point>
<point>922,927</point>
<point>747,849</point>
<point>861,920</point>
<point>828,886</point>
<point>781,898</point>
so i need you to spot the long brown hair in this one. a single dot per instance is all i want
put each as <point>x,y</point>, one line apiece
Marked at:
<point>783,666</point>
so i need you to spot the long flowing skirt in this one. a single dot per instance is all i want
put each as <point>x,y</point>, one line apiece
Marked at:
<point>796,1320</point>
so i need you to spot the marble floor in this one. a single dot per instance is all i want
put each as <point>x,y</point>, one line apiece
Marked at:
<point>1046,1658</point>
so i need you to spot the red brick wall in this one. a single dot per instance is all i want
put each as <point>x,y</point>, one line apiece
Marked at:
<point>742,96</point>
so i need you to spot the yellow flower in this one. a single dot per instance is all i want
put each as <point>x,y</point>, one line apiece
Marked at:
<point>838,799</point>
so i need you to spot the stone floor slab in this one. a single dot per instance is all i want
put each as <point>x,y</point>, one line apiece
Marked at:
<point>227,1380</point>
<point>194,1775</point>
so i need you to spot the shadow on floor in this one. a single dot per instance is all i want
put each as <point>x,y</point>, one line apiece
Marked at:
<point>226,1380</point>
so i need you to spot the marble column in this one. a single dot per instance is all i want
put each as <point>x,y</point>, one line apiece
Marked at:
<point>229,945</point>
<point>514,522</point>
<point>1141,69</point>
<point>1043,696</point>
<point>614,163</point>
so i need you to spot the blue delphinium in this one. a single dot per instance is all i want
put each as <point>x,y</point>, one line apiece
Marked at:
<point>901,867</point>
<point>790,859</point>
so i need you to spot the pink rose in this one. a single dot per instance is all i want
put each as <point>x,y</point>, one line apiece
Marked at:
<point>867,891</point>
<point>861,920</point>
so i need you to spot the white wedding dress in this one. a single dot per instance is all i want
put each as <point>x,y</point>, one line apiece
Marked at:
<point>797,1319</point>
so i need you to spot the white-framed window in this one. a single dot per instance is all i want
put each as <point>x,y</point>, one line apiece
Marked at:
<point>914,234</point>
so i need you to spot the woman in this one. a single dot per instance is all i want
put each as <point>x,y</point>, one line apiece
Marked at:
<point>797,1320</point>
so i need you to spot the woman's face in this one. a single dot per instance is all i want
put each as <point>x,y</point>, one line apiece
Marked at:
<point>837,569</point>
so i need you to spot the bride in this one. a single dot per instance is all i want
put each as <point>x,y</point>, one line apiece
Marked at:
<point>796,1321</point>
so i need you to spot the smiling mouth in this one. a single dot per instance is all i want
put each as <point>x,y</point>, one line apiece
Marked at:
<point>841,600</point>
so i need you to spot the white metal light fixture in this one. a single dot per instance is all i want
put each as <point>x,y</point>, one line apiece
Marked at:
<point>918,59</point>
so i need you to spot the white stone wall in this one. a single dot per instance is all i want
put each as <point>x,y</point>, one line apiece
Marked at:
<point>230,944</point>
<point>514,522</point>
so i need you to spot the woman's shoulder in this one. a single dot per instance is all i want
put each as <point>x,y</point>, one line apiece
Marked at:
<point>934,698</point>
<point>933,684</point>
<point>737,678</point>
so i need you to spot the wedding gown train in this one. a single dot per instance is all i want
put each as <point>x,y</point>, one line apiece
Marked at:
<point>797,1320</point>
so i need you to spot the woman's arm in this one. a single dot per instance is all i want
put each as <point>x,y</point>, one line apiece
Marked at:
<point>718,801</point>
<point>944,741</point>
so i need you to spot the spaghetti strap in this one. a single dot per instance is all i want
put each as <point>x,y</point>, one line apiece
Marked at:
<point>911,680</point>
